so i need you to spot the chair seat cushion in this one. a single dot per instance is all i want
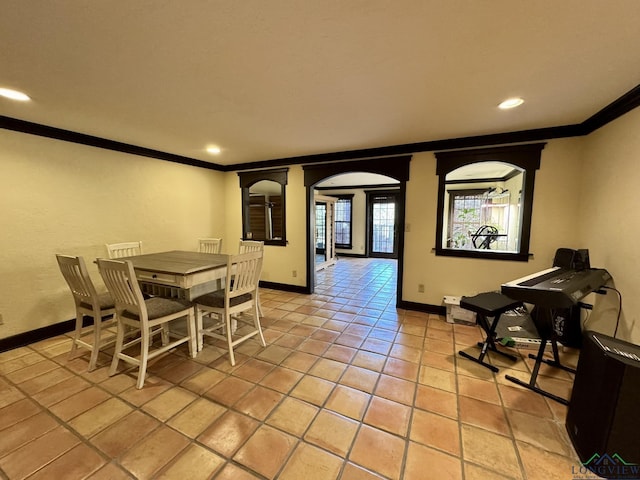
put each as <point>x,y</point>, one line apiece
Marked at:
<point>160,307</point>
<point>104,300</point>
<point>216,299</point>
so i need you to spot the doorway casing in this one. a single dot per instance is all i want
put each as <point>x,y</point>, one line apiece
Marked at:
<point>393,167</point>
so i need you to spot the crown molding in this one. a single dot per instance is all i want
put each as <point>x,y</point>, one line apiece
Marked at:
<point>23,126</point>
<point>617,108</point>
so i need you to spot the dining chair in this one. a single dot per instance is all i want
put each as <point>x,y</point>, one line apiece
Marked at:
<point>125,249</point>
<point>100,307</point>
<point>252,246</point>
<point>210,245</point>
<point>147,316</point>
<point>239,296</point>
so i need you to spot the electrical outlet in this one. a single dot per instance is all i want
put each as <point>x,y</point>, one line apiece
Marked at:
<point>421,288</point>
<point>294,274</point>
<point>407,227</point>
<point>1,320</point>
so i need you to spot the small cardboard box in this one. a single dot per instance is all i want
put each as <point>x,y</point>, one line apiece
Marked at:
<point>457,314</point>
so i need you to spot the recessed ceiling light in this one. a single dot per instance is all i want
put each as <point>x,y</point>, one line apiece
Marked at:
<point>14,94</point>
<point>511,103</point>
<point>213,150</point>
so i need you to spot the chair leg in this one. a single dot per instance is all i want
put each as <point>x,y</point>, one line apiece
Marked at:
<point>116,354</point>
<point>76,336</point>
<point>256,320</point>
<point>258,303</point>
<point>97,335</point>
<point>227,321</point>
<point>144,357</point>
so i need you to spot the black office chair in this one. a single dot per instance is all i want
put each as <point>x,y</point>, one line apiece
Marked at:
<point>488,305</point>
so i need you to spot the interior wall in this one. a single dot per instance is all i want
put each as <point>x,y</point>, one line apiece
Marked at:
<point>610,220</point>
<point>554,224</point>
<point>60,197</point>
<point>279,262</point>
<point>68,198</point>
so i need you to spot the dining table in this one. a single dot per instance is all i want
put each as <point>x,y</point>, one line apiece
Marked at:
<point>180,273</point>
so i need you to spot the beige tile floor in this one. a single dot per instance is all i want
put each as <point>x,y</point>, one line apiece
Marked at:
<point>349,387</point>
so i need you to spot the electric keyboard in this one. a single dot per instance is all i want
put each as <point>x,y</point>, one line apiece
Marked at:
<point>556,287</point>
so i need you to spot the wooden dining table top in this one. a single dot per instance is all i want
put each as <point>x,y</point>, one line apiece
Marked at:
<point>178,262</point>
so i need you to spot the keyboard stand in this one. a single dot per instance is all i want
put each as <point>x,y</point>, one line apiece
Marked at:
<point>539,358</point>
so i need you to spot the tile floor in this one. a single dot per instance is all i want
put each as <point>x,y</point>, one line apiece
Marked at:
<point>348,387</point>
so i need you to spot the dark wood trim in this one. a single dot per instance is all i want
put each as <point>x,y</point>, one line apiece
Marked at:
<point>249,178</point>
<point>33,336</point>
<point>31,128</point>
<point>402,207</point>
<point>616,109</point>
<point>311,244</point>
<point>619,107</point>
<point>395,167</point>
<point>484,254</point>
<point>527,157</point>
<point>285,287</point>
<point>522,136</point>
<point>423,307</point>
<point>351,255</point>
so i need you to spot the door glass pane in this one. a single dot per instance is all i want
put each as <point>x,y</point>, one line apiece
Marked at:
<point>343,222</point>
<point>321,233</point>
<point>383,226</point>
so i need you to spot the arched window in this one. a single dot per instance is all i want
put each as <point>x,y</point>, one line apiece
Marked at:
<point>485,199</point>
<point>263,206</point>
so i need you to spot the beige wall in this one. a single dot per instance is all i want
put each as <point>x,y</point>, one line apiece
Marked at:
<point>609,211</point>
<point>554,224</point>
<point>279,262</point>
<point>59,197</point>
<point>69,198</point>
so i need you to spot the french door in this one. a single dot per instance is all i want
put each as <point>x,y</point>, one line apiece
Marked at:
<point>325,237</point>
<point>382,220</point>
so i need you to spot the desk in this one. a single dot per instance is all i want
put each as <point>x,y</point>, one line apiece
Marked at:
<point>184,274</point>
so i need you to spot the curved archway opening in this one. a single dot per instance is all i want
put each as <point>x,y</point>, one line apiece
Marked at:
<point>387,175</point>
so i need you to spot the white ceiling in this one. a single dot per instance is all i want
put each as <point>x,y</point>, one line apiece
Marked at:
<point>284,78</point>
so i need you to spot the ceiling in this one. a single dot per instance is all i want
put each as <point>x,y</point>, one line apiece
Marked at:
<point>288,78</point>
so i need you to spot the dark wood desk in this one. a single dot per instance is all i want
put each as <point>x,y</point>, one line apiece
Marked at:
<point>179,273</point>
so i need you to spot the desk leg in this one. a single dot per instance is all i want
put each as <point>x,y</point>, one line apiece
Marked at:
<point>199,336</point>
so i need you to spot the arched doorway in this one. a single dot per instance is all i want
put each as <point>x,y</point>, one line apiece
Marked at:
<point>394,167</point>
